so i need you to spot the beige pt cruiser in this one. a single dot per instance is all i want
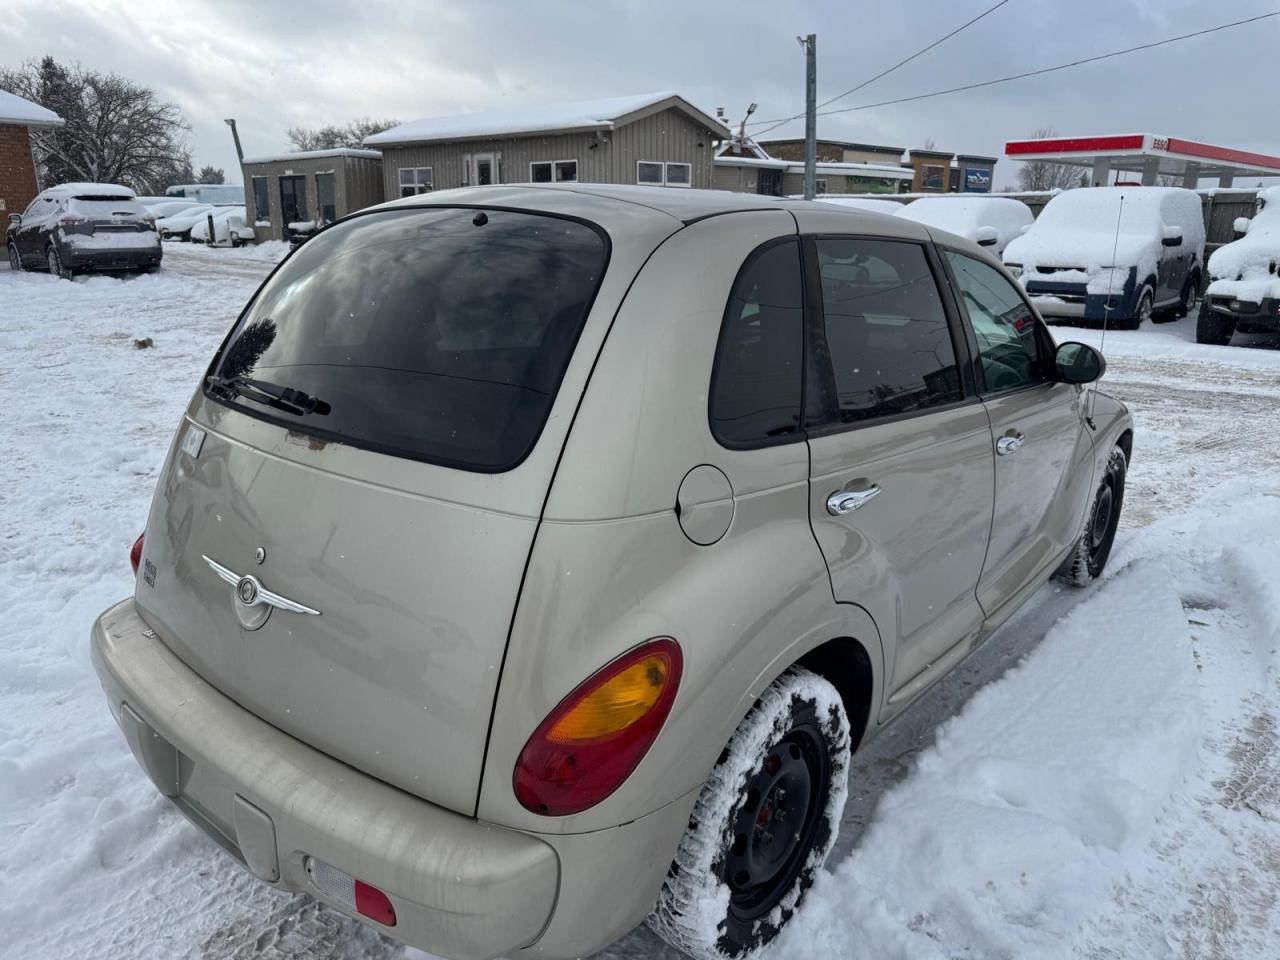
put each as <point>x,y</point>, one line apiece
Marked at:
<point>531,559</point>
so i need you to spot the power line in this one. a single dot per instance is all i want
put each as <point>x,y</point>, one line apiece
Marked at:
<point>884,73</point>
<point>1044,70</point>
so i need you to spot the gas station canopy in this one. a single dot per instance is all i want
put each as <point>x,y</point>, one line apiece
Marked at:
<point>1148,156</point>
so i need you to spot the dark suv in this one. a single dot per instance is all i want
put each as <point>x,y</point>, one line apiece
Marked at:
<point>82,227</point>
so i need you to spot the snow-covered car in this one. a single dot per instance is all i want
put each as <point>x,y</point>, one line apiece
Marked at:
<point>229,225</point>
<point>1244,287</point>
<point>889,207</point>
<point>423,627</point>
<point>1113,254</point>
<point>168,207</point>
<point>178,226</point>
<point>987,221</point>
<point>83,227</point>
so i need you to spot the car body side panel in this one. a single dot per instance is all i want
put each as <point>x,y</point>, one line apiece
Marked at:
<point>611,567</point>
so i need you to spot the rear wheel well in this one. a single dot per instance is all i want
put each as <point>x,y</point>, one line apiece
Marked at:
<point>1125,443</point>
<point>845,664</point>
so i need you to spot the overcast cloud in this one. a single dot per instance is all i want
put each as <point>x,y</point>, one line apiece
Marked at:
<point>273,65</point>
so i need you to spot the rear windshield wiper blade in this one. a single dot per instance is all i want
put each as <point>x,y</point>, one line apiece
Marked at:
<point>272,394</point>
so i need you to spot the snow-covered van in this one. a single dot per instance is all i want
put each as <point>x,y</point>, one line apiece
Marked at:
<point>1244,292</point>
<point>991,222</point>
<point>77,227</point>
<point>1119,254</point>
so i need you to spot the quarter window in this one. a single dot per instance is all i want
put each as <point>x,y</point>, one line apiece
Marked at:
<point>1011,351</point>
<point>554,171</point>
<point>757,379</point>
<point>415,180</point>
<point>886,329</point>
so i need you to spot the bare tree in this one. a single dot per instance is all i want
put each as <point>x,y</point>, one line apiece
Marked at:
<point>211,175</point>
<point>1045,175</point>
<point>332,137</point>
<point>115,132</point>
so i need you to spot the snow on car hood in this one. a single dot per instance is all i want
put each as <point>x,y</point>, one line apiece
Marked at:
<point>1249,268</point>
<point>1087,256</point>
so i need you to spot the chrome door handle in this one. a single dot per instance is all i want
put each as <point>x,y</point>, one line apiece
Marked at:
<point>847,501</point>
<point>1007,445</point>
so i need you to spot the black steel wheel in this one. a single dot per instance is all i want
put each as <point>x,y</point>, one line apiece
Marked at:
<point>1092,550</point>
<point>763,825</point>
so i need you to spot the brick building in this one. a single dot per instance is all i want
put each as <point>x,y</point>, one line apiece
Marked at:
<point>18,181</point>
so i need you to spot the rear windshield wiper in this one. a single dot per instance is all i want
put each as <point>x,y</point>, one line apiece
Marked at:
<point>272,394</point>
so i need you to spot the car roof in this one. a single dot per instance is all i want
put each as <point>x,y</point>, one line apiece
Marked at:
<point>89,190</point>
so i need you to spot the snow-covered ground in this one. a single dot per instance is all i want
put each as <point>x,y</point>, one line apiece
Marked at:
<point>1101,779</point>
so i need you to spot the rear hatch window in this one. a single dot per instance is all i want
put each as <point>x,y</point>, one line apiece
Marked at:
<point>438,334</point>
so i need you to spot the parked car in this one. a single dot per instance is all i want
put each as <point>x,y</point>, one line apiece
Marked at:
<point>168,207</point>
<point>987,221</point>
<point>229,226</point>
<point>79,227</point>
<point>861,203</point>
<point>1113,253</point>
<point>518,573</point>
<point>1244,288</point>
<point>178,226</point>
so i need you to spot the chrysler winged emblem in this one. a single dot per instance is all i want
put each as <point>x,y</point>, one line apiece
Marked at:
<point>253,601</point>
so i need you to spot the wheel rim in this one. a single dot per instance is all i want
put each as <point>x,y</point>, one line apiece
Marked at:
<point>774,827</point>
<point>1189,300</point>
<point>15,261</point>
<point>1144,309</point>
<point>1101,518</point>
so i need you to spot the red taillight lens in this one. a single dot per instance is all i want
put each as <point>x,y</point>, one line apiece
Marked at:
<point>589,744</point>
<point>70,220</point>
<point>372,902</point>
<point>135,553</point>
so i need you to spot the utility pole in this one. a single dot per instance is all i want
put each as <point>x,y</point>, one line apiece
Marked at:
<point>239,152</point>
<point>810,44</point>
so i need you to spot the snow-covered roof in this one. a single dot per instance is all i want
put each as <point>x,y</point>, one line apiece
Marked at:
<point>315,155</point>
<point>766,164</point>
<point>528,120</point>
<point>883,171</point>
<point>15,110</point>
<point>89,190</point>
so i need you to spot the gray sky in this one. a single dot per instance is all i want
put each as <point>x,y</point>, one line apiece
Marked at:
<point>274,64</point>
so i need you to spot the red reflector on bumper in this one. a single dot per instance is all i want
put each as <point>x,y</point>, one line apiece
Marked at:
<point>373,903</point>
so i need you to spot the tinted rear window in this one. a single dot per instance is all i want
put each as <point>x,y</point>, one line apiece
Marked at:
<point>436,334</point>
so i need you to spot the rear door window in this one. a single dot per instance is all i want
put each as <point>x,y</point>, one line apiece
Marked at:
<point>436,334</point>
<point>886,329</point>
<point>758,375</point>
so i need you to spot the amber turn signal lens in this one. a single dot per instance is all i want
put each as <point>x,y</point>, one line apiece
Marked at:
<point>622,700</point>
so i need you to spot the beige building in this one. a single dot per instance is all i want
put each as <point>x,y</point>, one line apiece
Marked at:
<point>835,151</point>
<point>657,139</point>
<point>297,193</point>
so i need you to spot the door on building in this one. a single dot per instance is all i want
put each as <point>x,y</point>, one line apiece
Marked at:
<point>326,197</point>
<point>769,183</point>
<point>486,166</point>
<point>293,200</point>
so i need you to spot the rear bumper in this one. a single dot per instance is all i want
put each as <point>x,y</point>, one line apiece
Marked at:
<point>106,259</point>
<point>461,888</point>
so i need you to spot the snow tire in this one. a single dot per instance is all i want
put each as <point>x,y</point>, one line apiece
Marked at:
<point>1089,556</point>
<point>56,265</point>
<point>1213,327</point>
<point>699,911</point>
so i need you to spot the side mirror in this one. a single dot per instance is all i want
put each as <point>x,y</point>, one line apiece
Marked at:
<point>15,218</point>
<point>1172,237</point>
<point>1079,363</point>
<point>1241,225</point>
<point>986,237</point>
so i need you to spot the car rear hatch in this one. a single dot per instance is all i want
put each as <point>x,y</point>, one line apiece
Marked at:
<point>106,216</point>
<point>368,448</point>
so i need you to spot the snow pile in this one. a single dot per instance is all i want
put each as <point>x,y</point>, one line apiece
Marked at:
<point>1247,268</point>
<point>1014,827</point>
<point>967,216</point>
<point>1089,230</point>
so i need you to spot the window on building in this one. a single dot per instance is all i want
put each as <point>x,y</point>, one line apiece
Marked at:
<point>679,174</point>
<point>414,180</point>
<point>933,178</point>
<point>553,171</point>
<point>327,197</point>
<point>887,332</point>
<point>1010,350</point>
<point>649,172</point>
<point>261,200</point>
<point>757,379</point>
<point>819,186</point>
